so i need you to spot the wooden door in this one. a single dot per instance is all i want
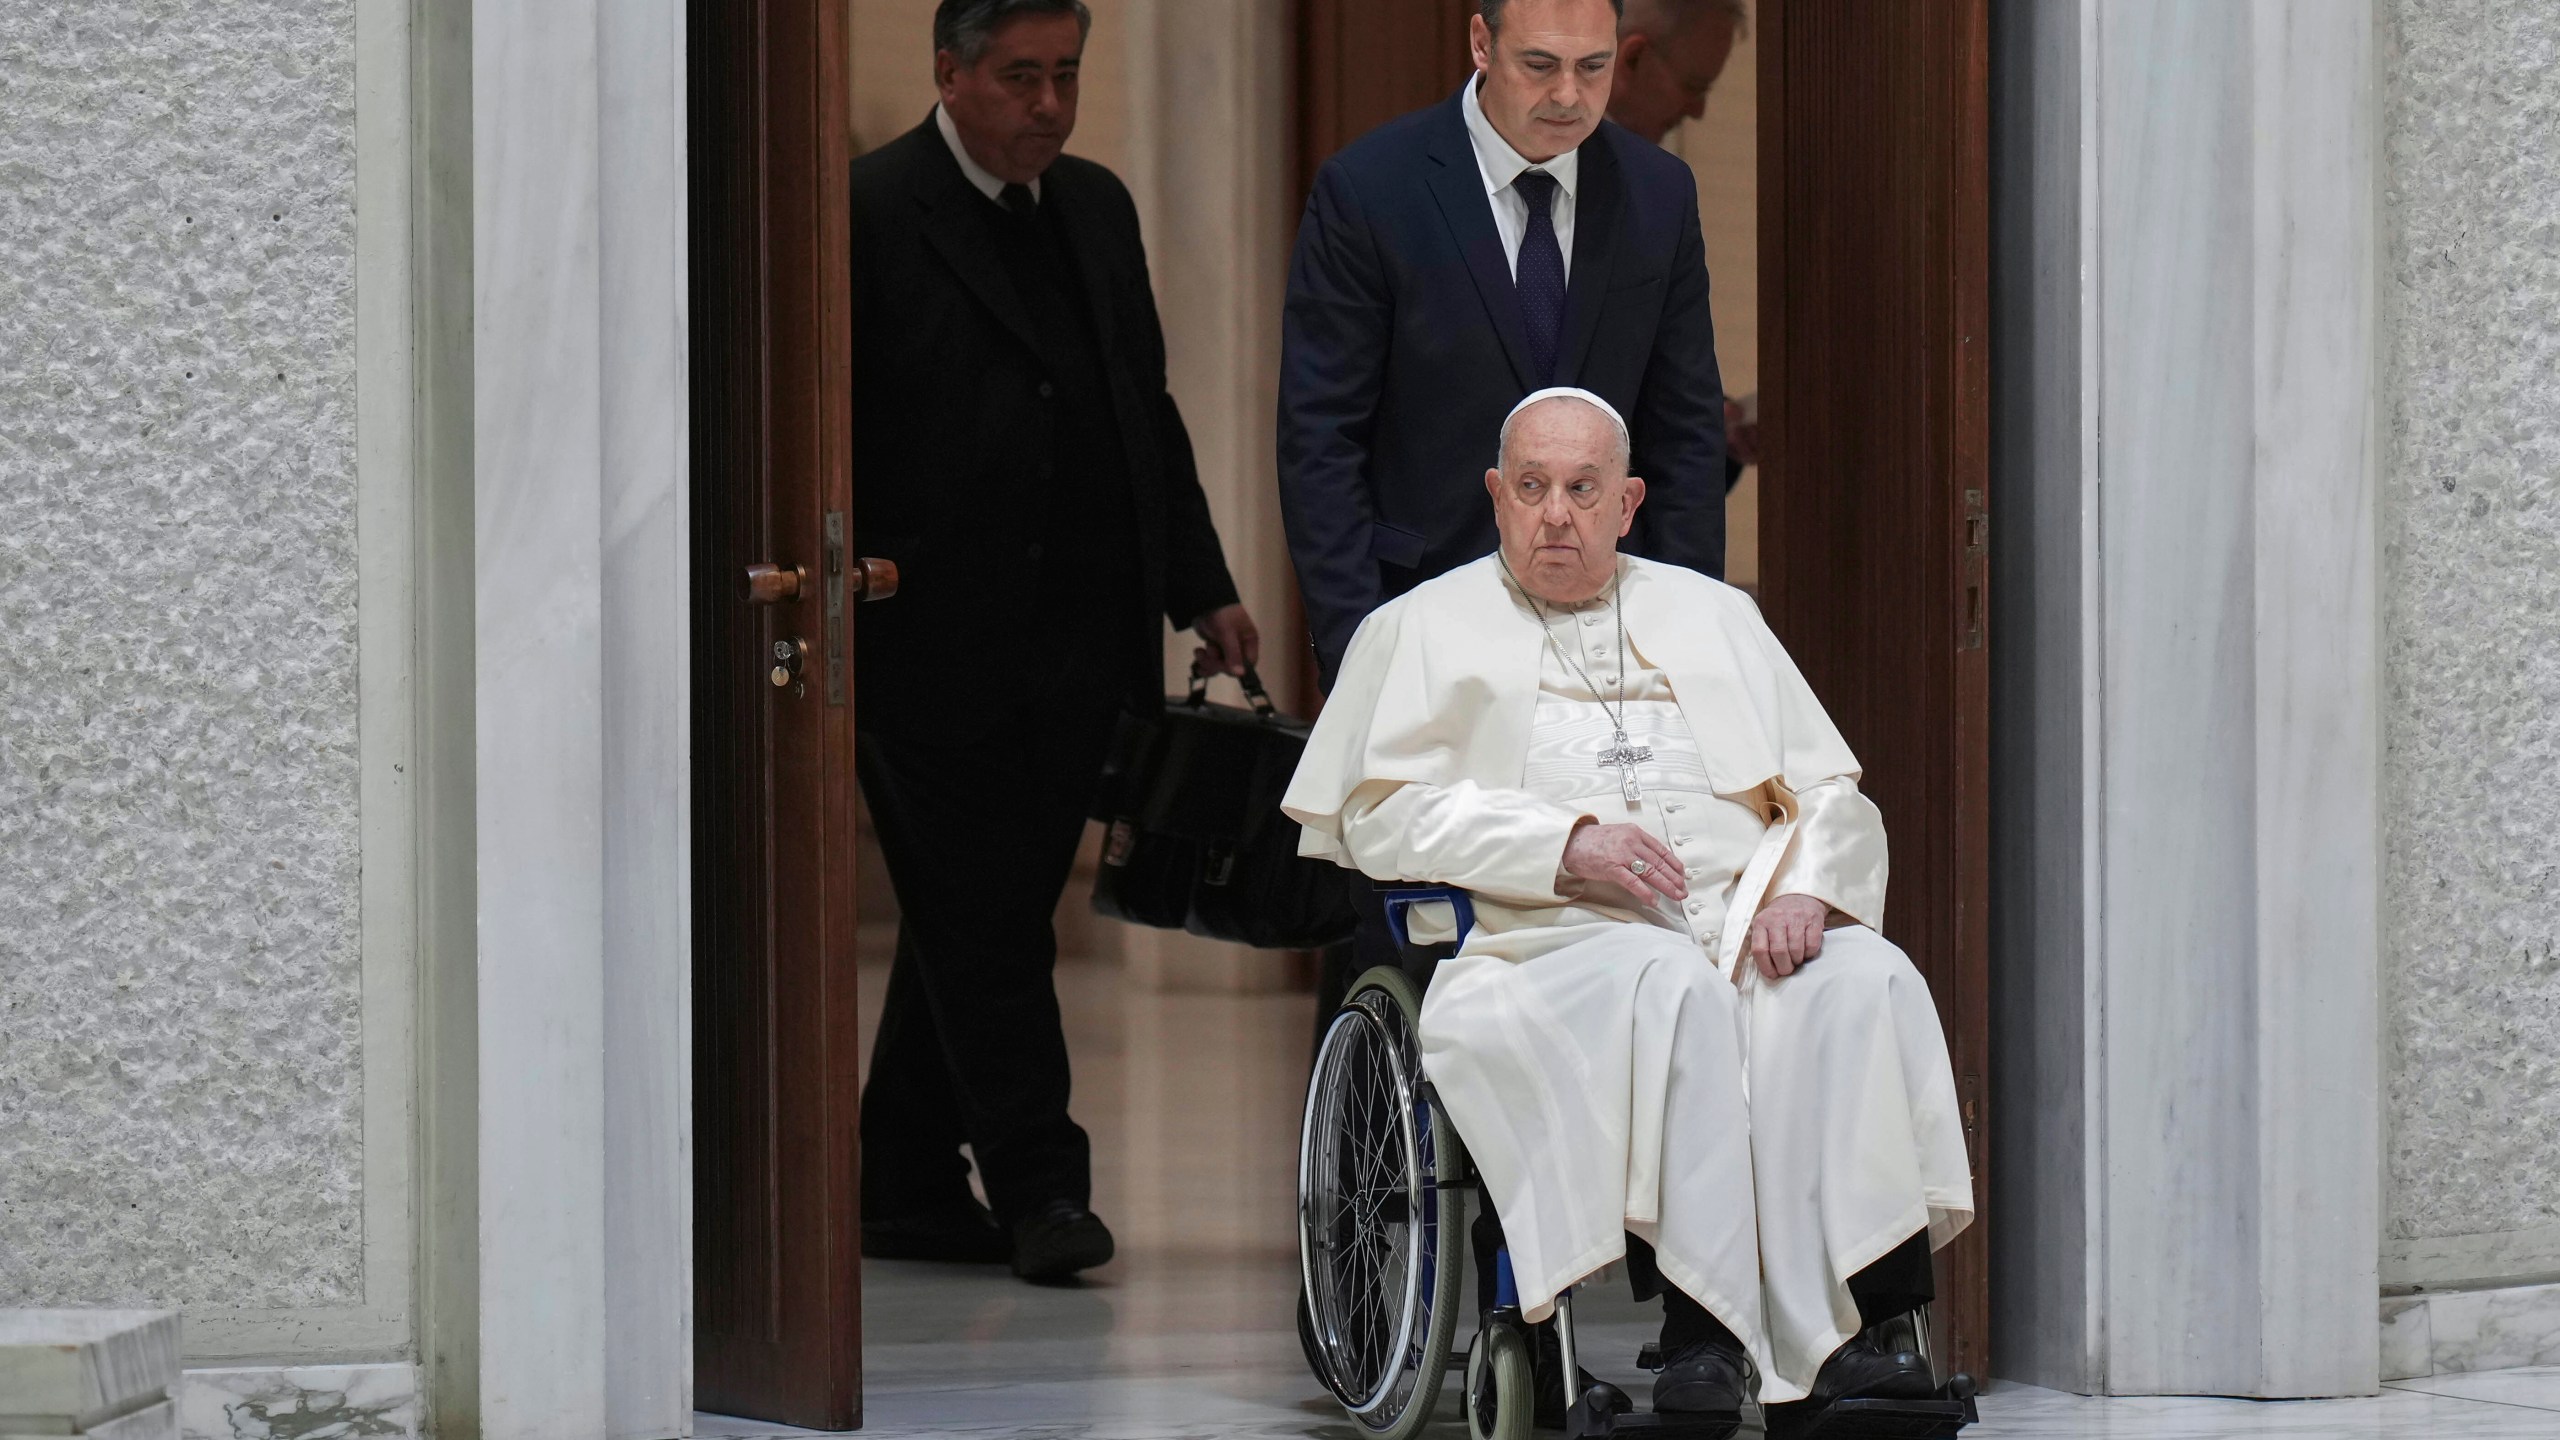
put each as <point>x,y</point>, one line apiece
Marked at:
<point>778,1270</point>
<point>1362,63</point>
<point>1874,508</point>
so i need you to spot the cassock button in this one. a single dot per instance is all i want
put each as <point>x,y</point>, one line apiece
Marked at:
<point>1696,905</point>
<point>1673,809</point>
<point>1047,389</point>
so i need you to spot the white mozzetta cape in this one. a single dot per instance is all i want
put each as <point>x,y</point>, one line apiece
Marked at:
<point>1440,686</point>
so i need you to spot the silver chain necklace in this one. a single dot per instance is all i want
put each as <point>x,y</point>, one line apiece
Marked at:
<point>1619,755</point>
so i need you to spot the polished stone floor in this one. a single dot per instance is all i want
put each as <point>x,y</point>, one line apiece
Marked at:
<point>1192,1101</point>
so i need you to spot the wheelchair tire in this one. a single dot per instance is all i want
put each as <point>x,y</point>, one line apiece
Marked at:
<point>1499,1376</point>
<point>1382,1234</point>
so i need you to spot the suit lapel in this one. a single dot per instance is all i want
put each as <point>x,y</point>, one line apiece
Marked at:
<point>1595,244</point>
<point>1459,187</point>
<point>961,235</point>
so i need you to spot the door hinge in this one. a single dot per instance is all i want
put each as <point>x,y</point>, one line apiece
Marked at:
<point>1977,566</point>
<point>836,685</point>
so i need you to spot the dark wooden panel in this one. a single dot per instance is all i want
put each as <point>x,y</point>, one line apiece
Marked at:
<point>777,1263</point>
<point>1874,312</point>
<point>1362,63</point>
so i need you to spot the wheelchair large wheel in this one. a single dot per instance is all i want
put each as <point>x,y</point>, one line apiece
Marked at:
<point>1381,1220</point>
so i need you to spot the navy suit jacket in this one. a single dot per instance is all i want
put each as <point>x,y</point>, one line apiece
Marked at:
<point>1403,348</point>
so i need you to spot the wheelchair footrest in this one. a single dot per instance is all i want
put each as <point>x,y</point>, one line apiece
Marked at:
<point>1593,1418</point>
<point>1651,1426</point>
<point>1879,1420</point>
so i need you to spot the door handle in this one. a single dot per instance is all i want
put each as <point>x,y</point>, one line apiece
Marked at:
<point>771,584</point>
<point>875,579</point>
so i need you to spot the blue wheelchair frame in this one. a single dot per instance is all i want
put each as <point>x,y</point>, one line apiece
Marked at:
<point>1401,898</point>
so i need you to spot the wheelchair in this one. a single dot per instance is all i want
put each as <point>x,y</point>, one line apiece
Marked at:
<point>1384,1248</point>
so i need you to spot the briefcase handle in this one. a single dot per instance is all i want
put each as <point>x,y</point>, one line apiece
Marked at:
<point>1253,692</point>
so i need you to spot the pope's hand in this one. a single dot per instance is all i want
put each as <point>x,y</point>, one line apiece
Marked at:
<point>1229,645</point>
<point>1787,933</point>
<point>1610,855</point>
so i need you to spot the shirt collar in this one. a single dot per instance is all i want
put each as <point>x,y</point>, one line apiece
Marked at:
<point>1498,162</point>
<point>981,177</point>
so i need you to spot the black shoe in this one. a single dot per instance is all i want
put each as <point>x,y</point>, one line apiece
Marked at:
<point>1546,1364</point>
<point>1055,1241</point>
<point>1703,1377</point>
<point>1866,1370</point>
<point>962,1234</point>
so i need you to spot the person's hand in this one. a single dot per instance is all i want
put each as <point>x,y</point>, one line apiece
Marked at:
<point>1627,856</point>
<point>1229,645</point>
<point>1786,934</point>
<point>1741,433</point>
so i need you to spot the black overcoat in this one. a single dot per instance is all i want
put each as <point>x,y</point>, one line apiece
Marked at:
<point>952,440</point>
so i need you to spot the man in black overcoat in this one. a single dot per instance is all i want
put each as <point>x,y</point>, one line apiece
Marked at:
<point>1016,452</point>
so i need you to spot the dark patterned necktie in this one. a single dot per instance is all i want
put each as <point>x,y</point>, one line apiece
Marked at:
<point>1539,276</point>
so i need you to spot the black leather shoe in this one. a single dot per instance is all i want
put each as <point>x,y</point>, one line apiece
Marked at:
<point>1866,1370</point>
<point>1546,1364</point>
<point>1704,1377</point>
<point>962,1234</point>
<point>1057,1240</point>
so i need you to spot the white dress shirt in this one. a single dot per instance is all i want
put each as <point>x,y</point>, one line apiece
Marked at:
<point>993,188</point>
<point>1500,165</point>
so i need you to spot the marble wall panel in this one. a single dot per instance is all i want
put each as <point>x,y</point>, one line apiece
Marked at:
<point>180,1059</point>
<point>311,1402</point>
<point>2471,525</point>
<point>2184,698</point>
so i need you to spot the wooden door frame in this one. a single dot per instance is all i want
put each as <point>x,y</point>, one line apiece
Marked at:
<point>1957,563</point>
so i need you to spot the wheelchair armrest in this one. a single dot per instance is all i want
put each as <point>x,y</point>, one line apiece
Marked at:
<point>1401,898</point>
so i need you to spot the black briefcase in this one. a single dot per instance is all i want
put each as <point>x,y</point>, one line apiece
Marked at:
<point>1195,839</point>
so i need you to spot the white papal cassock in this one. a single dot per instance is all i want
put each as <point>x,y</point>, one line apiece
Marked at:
<point>1610,1061</point>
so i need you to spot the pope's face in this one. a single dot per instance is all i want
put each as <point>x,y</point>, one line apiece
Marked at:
<point>1562,499</point>
<point>1663,80</point>
<point>1546,77</point>
<point>1016,107</point>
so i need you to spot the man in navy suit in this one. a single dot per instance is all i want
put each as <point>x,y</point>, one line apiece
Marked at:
<point>1456,259</point>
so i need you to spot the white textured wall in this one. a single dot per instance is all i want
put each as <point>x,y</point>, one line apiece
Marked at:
<point>2471,528</point>
<point>180,1069</point>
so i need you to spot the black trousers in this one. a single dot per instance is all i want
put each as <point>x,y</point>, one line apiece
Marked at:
<point>1900,1281</point>
<point>980,829</point>
<point>1370,946</point>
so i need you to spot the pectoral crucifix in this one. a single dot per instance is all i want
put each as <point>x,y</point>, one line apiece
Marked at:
<point>1626,758</point>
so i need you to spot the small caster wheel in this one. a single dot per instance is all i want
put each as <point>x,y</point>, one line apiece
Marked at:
<point>1499,1405</point>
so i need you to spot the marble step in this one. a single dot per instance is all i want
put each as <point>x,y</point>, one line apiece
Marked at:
<point>72,1372</point>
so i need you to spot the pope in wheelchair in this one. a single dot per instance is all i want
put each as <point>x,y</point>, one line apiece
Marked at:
<point>1670,1034</point>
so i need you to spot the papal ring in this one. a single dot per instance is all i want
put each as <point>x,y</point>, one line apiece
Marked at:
<point>1638,866</point>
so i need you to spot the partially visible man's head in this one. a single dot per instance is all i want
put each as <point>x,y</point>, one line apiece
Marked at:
<point>1562,497</point>
<point>1669,55</point>
<point>1007,73</point>
<point>1546,67</point>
